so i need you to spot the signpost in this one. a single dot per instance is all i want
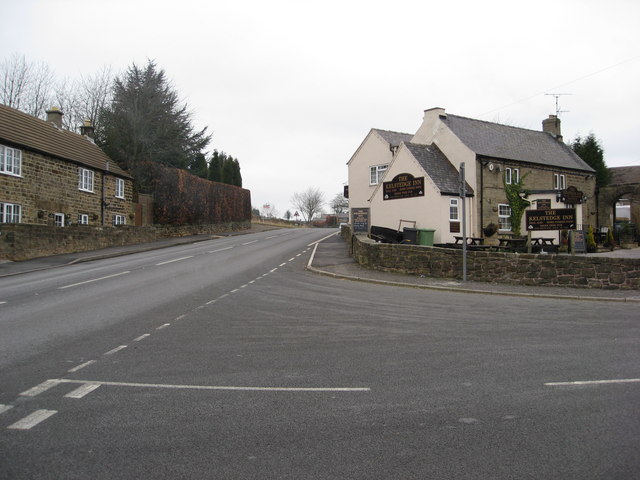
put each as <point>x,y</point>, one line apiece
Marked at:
<point>463,196</point>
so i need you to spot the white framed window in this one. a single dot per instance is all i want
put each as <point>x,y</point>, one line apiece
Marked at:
<point>10,213</point>
<point>10,161</point>
<point>504,217</point>
<point>511,175</point>
<point>58,219</point>
<point>376,173</point>
<point>559,181</point>
<point>83,219</point>
<point>119,188</point>
<point>119,220</point>
<point>85,180</point>
<point>454,212</point>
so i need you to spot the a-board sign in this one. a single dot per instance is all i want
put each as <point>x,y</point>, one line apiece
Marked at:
<point>360,220</point>
<point>578,242</point>
<point>403,185</point>
<point>552,219</point>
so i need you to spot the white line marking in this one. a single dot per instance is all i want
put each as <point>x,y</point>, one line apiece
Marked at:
<point>142,337</point>
<point>249,243</point>
<point>38,389</point>
<point>165,325</point>
<point>2,303</point>
<point>313,254</point>
<point>180,317</point>
<point>273,270</point>
<point>298,255</point>
<point>83,390</point>
<point>244,286</point>
<point>81,366</point>
<point>291,259</point>
<point>282,264</point>
<point>223,295</point>
<point>94,280</point>
<point>272,236</point>
<point>32,420</point>
<point>234,290</point>
<point>219,387</point>
<point>174,260</point>
<point>594,382</point>
<point>322,239</point>
<point>220,250</point>
<point>212,301</point>
<point>117,349</point>
<point>252,281</point>
<point>4,408</point>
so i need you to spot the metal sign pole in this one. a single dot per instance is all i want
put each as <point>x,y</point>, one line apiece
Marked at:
<point>463,196</point>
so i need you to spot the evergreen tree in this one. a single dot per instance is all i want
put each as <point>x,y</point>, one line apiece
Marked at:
<point>215,167</point>
<point>198,166</point>
<point>237,177</point>
<point>146,124</point>
<point>227,170</point>
<point>589,150</point>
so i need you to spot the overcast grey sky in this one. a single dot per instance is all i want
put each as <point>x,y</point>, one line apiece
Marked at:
<point>291,88</point>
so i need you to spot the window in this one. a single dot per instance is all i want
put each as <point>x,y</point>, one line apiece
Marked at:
<point>504,217</point>
<point>119,220</point>
<point>83,219</point>
<point>453,210</point>
<point>10,161</point>
<point>559,181</point>
<point>85,180</point>
<point>58,219</point>
<point>377,174</point>
<point>511,175</point>
<point>119,188</point>
<point>10,213</point>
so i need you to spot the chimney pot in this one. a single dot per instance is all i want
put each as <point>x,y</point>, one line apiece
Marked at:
<point>88,130</point>
<point>54,115</point>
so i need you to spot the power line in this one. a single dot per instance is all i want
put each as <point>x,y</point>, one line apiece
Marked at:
<point>557,87</point>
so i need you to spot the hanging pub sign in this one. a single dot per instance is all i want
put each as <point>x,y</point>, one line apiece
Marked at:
<point>571,196</point>
<point>543,204</point>
<point>553,219</point>
<point>403,185</point>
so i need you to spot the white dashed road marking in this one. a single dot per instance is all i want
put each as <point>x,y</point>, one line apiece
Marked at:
<point>174,260</point>
<point>593,382</point>
<point>93,280</point>
<point>38,389</point>
<point>117,349</point>
<point>83,390</point>
<point>4,408</point>
<point>219,250</point>
<point>141,337</point>
<point>81,366</point>
<point>32,420</point>
<point>165,325</point>
<point>249,243</point>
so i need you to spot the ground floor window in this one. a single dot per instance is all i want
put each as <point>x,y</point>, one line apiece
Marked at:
<point>10,213</point>
<point>58,219</point>
<point>83,219</point>
<point>119,220</point>
<point>504,217</point>
<point>454,213</point>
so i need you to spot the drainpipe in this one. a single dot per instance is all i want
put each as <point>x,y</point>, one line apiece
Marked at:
<point>104,197</point>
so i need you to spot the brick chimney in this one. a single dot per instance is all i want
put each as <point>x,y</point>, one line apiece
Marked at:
<point>88,130</point>
<point>55,116</point>
<point>552,125</point>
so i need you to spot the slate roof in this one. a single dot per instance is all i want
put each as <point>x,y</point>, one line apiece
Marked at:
<point>393,138</point>
<point>438,167</point>
<point>31,133</point>
<point>625,175</point>
<point>513,143</point>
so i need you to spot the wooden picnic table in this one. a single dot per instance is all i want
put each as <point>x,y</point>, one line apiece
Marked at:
<point>470,240</point>
<point>544,241</point>
<point>512,243</point>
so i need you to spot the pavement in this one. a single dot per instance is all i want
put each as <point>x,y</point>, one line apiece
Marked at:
<point>331,258</point>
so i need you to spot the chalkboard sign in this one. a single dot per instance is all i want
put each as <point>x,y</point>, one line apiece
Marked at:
<point>578,242</point>
<point>360,220</point>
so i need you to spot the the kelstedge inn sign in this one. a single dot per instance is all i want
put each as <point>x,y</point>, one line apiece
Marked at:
<point>403,185</point>
<point>552,219</point>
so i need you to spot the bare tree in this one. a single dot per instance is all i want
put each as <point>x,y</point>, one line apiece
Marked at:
<point>339,204</point>
<point>309,202</point>
<point>83,100</point>
<point>26,86</point>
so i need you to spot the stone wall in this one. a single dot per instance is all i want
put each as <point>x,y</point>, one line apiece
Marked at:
<point>20,242</point>
<point>522,269</point>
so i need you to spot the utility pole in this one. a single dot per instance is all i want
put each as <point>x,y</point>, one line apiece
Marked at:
<point>463,196</point>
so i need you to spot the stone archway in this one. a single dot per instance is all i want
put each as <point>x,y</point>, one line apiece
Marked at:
<point>625,183</point>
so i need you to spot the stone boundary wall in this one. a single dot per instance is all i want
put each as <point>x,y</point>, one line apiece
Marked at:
<point>20,242</point>
<point>512,268</point>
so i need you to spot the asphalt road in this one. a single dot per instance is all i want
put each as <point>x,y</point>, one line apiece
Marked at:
<point>226,359</point>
